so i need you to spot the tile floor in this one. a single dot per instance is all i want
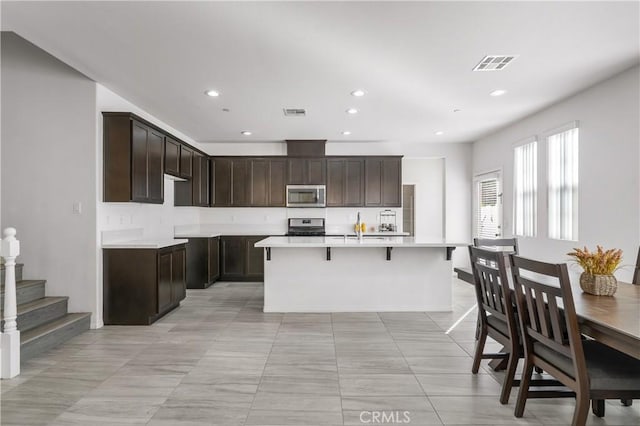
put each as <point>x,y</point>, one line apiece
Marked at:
<point>219,360</point>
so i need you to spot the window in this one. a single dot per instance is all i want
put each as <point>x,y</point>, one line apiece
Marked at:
<point>563,183</point>
<point>488,221</point>
<point>525,187</point>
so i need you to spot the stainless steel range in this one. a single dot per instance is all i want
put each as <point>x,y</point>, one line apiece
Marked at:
<point>306,227</point>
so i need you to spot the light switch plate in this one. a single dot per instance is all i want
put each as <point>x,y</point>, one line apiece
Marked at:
<point>77,207</point>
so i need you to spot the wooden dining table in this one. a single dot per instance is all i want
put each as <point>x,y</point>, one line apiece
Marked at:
<point>611,320</point>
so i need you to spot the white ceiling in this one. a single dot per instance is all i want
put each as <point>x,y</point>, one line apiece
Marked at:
<point>413,59</point>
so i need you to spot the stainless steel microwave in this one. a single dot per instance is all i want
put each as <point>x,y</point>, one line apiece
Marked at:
<point>306,196</point>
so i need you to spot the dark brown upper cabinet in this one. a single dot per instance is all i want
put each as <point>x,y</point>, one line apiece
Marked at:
<point>383,181</point>
<point>277,182</point>
<point>345,182</point>
<point>231,182</point>
<point>248,182</point>
<point>200,180</point>
<point>240,182</point>
<point>178,159</point>
<point>172,157</point>
<point>351,181</point>
<point>133,160</point>
<point>195,191</point>
<point>267,182</point>
<point>186,162</point>
<point>221,182</point>
<point>259,181</point>
<point>306,171</point>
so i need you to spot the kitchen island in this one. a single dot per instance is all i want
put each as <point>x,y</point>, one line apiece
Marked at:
<point>372,274</point>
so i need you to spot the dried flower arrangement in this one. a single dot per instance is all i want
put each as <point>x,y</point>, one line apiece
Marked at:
<point>599,262</point>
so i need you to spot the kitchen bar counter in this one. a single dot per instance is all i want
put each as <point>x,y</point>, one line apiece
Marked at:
<point>352,241</point>
<point>374,274</point>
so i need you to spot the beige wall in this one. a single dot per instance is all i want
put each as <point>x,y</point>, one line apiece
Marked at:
<point>609,176</point>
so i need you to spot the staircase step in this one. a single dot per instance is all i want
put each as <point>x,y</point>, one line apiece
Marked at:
<point>26,291</point>
<point>38,312</point>
<point>19,267</point>
<point>46,336</point>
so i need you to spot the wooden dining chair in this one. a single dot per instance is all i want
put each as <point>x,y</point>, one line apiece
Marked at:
<point>496,316</point>
<point>506,246</point>
<point>636,274</point>
<point>552,341</point>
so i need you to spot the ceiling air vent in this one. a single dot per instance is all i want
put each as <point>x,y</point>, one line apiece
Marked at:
<point>294,112</point>
<point>494,62</point>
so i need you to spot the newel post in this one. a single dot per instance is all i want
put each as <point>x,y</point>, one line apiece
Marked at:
<point>10,334</point>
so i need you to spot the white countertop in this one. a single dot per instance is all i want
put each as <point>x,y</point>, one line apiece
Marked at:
<point>197,234</point>
<point>370,234</point>
<point>310,242</point>
<point>216,230</point>
<point>144,244</point>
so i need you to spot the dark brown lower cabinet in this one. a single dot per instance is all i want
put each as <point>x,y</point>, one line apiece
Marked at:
<point>240,260</point>
<point>141,285</point>
<point>255,259</point>
<point>203,262</point>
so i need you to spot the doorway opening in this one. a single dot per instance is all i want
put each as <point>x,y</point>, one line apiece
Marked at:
<point>409,209</point>
<point>487,221</point>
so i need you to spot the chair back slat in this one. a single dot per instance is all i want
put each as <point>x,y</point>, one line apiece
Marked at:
<point>541,308</point>
<point>556,328</point>
<point>546,311</point>
<point>510,244</point>
<point>532,312</point>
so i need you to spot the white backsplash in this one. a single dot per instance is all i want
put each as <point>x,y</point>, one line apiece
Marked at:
<point>156,220</point>
<point>338,219</point>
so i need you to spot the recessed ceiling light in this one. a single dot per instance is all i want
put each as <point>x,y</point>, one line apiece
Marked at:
<point>352,111</point>
<point>439,133</point>
<point>357,93</point>
<point>212,93</point>
<point>498,92</point>
<point>246,133</point>
<point>346,133</point>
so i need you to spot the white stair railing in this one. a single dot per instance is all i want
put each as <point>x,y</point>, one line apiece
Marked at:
<point>10,361</point>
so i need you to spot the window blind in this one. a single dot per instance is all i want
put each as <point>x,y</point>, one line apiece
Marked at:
<point>488,208</point>
<point>525,184</point>
<point>563,184</point>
